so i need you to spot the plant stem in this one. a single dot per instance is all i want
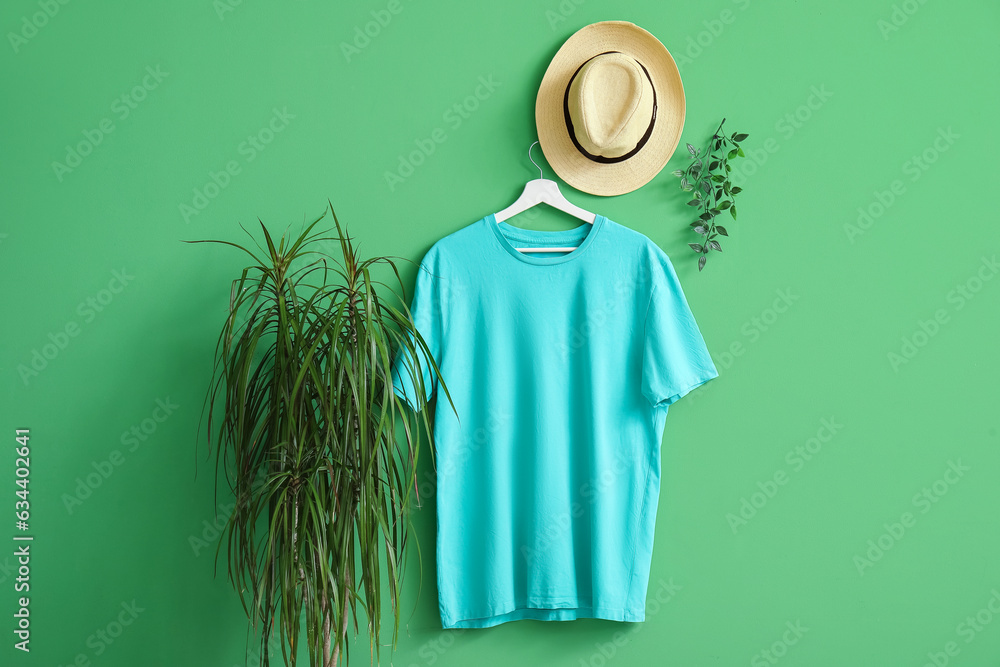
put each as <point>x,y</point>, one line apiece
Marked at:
<point>325,605</point>
<point>720,126</point>
<point>343,630</point>
<point>723,160</point>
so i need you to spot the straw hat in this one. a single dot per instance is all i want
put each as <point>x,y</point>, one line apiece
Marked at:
<point>610,108</point>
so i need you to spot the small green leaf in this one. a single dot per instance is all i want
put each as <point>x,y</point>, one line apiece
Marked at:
<point>721,230</point>
<point>714,165</point>
<point>740,137</point>
<point>724,205</point>
<point>728,168</point>
<point>697,247</point>
<point>701,262</point>
<point>707,215</point>
<point>692,150</point>
<point>677,172</point>
<point>736,190</point>
<point>685,185</point>
<point>700,229</point>
<point>719,178</point>
<point>732,153</point>
<point>732,212</point>
<point>696,223</point>
<point>714,245</point>
<point>739,151</point>
<point>694,202</point>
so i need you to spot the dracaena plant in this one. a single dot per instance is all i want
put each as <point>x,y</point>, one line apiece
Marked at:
<point>713,191</point>
<point>308,441</point>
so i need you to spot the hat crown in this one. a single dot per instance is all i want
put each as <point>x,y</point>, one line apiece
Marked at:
<point>610,104</point>
<point>610,108</point>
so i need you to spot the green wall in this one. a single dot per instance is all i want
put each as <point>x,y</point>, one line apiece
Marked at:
<point>836,445</point>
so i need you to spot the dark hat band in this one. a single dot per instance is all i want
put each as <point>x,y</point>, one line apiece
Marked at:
<point>569,123</point>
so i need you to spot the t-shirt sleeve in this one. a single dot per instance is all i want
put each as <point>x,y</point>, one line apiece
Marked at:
<point>409,379</point>
<point>675,358</point>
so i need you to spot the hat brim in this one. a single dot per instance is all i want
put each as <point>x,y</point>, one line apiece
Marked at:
<point>553,136</point>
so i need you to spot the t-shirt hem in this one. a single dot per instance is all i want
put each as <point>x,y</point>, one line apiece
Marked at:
<point>686,388</point>
<point>547,609</point>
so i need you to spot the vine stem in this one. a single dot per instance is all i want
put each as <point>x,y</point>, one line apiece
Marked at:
<point>720,126</point>
<point>711,199</point>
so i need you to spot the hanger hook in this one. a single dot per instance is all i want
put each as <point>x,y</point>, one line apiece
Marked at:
<point>540,174</point>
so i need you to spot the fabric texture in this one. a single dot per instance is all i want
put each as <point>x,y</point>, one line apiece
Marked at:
<point>562,367</point>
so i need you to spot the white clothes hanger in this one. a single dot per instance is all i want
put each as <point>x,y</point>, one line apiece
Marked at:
<point>543,191</point>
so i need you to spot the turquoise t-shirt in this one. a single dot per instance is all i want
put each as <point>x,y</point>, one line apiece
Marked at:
<point>561,367</point>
